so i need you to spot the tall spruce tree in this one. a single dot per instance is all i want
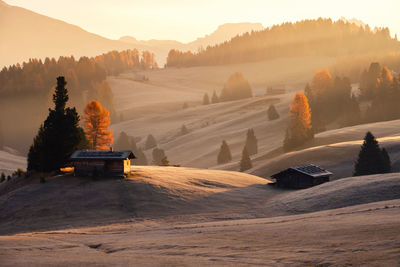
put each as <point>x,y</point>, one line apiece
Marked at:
<point>214,98</point>
<point>158,155</point>
<point>206,99</point>
<point>59,136</point>
<point>245,162</point>
<point>224,154</point>
<point>387,165</point>
<point>138,152</point>
<point>141,158</point>
<point>150,142</point>
<point>251,142</point>
<point>272,113</point>
<point>123,142</point>
<point>371,159</point>
<point>184,130</point>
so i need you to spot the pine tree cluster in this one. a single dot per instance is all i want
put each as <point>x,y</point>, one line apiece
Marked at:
<point>59,136</point>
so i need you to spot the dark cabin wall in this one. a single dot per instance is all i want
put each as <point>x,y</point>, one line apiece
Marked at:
<point>104,167</point>
<point>294,179</point>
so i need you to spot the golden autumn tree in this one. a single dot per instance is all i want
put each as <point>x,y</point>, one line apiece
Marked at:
<point>321,82</point>
<point>299,130</point>
<point>386,79</point>
<point>318,95</point>
<point>97,122</point>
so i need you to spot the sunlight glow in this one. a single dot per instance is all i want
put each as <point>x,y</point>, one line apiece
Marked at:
<point>186,20</point>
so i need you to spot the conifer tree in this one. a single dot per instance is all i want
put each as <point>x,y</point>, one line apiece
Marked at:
<point>214,98</point>
<point>245,162</point>
<point>132,142</point>
<point>164,161</point>
<point>150,142</point>
<point>97,122</point>
<point>206,99</point>
<point>224,154</point>
<point>387,165</point>
<point>237,87</point>
<point>251,142</point>
<point>272,113</point>
<point>59,136</point>
<point>158,155</point>
<point>299,130</point>
<point>3,177</point>
<point>123,142</point>
<point>141,158</point>
<point>184,130</point>
<point>371,159</point>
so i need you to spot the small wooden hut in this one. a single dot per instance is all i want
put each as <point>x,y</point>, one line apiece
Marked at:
<point>102,162</point>
<point>302,176</point>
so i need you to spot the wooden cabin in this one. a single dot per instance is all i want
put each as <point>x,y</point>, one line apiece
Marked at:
<point>102,162</point>
<point>302,176</point>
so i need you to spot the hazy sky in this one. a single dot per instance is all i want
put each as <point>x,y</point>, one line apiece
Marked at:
<point>186,20</point>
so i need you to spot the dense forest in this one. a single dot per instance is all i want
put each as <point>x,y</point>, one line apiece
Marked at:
<point>354,67</point>
<point>321,37</point>
<point>86,74</point>
<point>26,89</point>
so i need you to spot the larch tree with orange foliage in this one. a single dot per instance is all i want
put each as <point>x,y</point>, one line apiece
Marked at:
<point>386,98</point>
<point>300,129</point>
<point>318,95</point>
<point>97,122</point>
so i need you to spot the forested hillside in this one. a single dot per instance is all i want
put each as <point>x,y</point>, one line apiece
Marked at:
<point>322,37</point>
<point>26,90</point>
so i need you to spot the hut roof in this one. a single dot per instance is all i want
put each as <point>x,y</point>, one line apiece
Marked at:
<point>102,154</point>
<point>309,169</point>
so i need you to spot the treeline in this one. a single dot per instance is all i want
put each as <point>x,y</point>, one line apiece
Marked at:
<point>321,37</point>
<point>115,62</point>
<point>36,76</point>
<point>327,101</point>
<point>354,67</point>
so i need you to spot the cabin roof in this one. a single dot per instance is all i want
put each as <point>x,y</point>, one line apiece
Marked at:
<point>308,169</point>
<point>102,154</point>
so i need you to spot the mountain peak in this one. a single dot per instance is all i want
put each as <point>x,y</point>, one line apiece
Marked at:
<point>225,32</point>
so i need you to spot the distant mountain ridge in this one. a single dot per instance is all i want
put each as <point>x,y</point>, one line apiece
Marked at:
<point>26,34</point>
<point>223,33</point>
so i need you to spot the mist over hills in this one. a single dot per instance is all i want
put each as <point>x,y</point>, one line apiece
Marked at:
<point>26,34</point>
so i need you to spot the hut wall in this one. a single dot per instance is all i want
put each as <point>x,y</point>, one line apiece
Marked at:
<point>86,167</point>
<point>127,166</point>
<point>115,167</point>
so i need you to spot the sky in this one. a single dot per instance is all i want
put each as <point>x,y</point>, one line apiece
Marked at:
<point>185,20</point>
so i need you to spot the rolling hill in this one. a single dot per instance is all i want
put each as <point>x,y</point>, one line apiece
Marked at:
<point>167,215</point>
<point>150,192</point>
<point>334,150</point>
<point>159,102</point>
<point>10,161</point>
